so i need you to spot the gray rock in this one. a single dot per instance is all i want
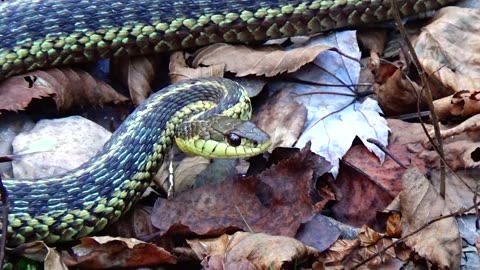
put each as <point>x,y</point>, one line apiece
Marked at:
<point>56,146</point>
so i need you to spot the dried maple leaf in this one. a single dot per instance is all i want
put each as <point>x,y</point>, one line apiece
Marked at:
<point>336,116</point>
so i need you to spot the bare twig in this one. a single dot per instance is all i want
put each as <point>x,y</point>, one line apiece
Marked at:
<point>427,92</point>
<point>386,151</point>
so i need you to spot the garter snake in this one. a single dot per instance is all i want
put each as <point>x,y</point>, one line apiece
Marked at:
<point>38,34</point>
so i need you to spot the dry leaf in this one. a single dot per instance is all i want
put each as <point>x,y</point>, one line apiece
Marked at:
<point>373,39</point>
<point>282,118</point>
<point>439,242</point>
<point>267,60</point>
<point>397,95</point>
<point>331,107</point>
<point>368,186</point>
<point>137,73</point>
<point>261,251</point>
<point>276,202</point>
<point>40,252</point>
<point>460,153</point>
<point>337,253</point>
<point>134,224</point>
<point>462,104</point>
<point>448,48</point>
<point>115,252</point>
<point>179,70</point>
<point>16,93</point>
<point>350,253</point>
<point>70,87</point>
<point>394,228</point>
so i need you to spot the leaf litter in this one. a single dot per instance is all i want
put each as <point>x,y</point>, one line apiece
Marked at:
<point>279,200</point>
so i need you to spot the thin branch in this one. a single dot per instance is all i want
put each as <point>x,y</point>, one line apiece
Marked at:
<point>386,151</point>
<point>428,93</point>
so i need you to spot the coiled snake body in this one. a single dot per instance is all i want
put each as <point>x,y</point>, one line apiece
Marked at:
<point>37,34</point>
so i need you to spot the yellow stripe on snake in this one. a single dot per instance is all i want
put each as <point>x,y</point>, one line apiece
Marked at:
<point>205,117</point>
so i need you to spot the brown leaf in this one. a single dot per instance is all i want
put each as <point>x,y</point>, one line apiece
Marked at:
<point>137,73</point>
<point>134,224</point>
<point>16,93</point>
<point>373,39</point>
<point>448,48</point>
<point>350,253</point>
<point>394,228</point>
<point>282,118</point>
<point>367,186</point>
<point>185,173</point>
<point>115,252</point>
<point>397,95</point>
<point>179,70</point>
<point>260,251</point>
<point>462,104</point>
<point>439,242</point>
<point>70,87</point>
<point>275,202</point>
<point>266,60</point>
<point>40,252</point>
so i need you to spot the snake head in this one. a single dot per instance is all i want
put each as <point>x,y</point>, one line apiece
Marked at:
<point>221,136</point>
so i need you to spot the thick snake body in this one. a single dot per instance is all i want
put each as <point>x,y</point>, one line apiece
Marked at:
<point>85,200</point>
<point>38,34</point>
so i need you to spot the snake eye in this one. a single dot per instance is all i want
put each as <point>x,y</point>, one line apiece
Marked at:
<point>233,139</point>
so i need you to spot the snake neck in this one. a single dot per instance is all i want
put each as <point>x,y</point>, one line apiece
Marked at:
<point>101,190</point>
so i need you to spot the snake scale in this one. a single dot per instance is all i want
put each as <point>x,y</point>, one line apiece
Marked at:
<point>38,34</point>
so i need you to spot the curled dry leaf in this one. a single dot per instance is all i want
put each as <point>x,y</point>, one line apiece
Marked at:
<point>350,253</point>
<point>460,146</point>
<point>394,228</point>
<point>267,60</point>
<point>261,251</point>
<point>70,87</point>
<point>397,94</point>
<point>179,70</point>
<point>438,242</point>
<point>115,252</point>
<point>462,104</point>
<point>443,57</point>
<point>138,73</point>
